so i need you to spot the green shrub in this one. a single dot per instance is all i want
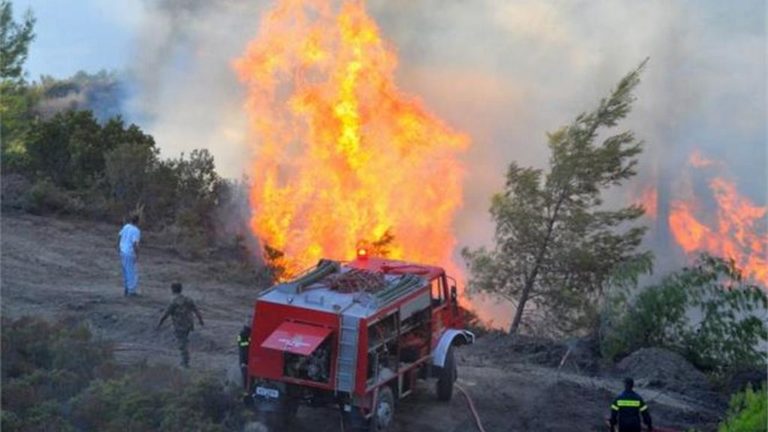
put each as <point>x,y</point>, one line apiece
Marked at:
<point>156,398</point>
<point>726,333</point>
<point>748,412</point>
<point>45,197</point>
<point>55,377</point>
<point>44,366</point>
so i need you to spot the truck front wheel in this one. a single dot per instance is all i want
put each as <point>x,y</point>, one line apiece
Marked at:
<point>383,411</point>
<point>382,416</point>
<point>446,377</point>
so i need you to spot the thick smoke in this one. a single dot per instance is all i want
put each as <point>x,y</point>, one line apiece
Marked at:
<point>187,94</point>
<point>505,73</point>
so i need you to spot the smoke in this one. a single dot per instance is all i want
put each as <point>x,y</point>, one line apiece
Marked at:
<point>505,73</point>
<point>102,93</point>
<point>187,94</point>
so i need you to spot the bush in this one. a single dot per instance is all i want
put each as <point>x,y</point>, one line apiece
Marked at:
<point>726,333</point>
<point>748,412</point>
<point>44,366</point>
<point>157,398</point>
<point>45,197</point>
<point>55,377</point>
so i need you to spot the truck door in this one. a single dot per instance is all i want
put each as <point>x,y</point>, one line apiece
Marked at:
<point>440,311</point>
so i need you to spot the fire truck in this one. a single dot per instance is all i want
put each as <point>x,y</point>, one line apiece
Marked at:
<point>354,335</point>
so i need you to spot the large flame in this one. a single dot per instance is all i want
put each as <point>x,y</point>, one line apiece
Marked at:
<point>341,154</point>
<point>735,230</point>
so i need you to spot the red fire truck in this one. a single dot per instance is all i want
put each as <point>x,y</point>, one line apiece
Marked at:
<point>354,335</point>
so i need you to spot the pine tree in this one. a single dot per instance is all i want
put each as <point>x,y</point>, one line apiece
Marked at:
<point>556,245</point>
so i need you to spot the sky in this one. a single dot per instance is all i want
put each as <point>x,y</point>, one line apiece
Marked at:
<point>78,35</point>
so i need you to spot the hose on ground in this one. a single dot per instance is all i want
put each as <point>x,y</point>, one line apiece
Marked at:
<point>471,408</point>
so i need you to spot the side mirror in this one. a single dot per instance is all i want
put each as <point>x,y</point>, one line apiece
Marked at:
<point>454,295</point>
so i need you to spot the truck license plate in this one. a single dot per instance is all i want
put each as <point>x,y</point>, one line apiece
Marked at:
<point>267,392</point>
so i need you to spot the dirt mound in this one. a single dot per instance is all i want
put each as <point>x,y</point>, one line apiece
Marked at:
<point>664,369</point>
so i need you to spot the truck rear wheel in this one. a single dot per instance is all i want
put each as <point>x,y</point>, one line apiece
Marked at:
<point>446,377</point>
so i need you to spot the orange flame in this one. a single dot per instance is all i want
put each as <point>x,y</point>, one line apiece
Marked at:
<point>649,199</point>
<point>698,160</point>
<point>341,154</point>
<point>739,232</point>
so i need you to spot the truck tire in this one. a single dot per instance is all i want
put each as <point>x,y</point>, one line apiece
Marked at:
<point>446,377</point>
<point>281,418</point>
<point>383,411</point>
<point>381,420</point>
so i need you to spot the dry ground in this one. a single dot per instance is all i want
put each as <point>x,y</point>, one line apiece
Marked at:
<point>54,268</point>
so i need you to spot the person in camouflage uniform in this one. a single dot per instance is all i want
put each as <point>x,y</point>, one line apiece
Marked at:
<point>180,310</point>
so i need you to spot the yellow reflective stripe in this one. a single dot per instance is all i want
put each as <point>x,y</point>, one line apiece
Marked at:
<point>244,343</point>
<point>628,403</point>
<point>614,407</point>
<point>644,407</point>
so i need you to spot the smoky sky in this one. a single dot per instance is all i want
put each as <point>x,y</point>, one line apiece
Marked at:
<point>504,72</point>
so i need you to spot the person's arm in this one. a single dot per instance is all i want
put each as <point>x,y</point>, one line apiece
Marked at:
<point>197,313</point>
<point>646,415</point>
<point>136,242</point>
<point>165,315</point>
<point>614,415</point>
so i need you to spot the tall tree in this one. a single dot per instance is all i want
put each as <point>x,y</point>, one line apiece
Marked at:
<point>16,99</point>
<point>14,41</point>
<point>556,245</point>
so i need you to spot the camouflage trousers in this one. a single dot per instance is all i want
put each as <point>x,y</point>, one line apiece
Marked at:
<point>182,338</point>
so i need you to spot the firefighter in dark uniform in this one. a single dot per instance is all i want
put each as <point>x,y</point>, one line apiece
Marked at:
<point>628,408</point>
<point>243,344</point>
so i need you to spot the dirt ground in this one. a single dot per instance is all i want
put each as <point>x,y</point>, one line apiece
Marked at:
<point>54,268</point>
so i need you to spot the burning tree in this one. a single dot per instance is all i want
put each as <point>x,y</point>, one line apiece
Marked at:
<point>556,246</point>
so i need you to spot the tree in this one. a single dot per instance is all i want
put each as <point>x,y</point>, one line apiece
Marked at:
<point>16,99</point>
<point>14,41</point>
<point>556,245</point>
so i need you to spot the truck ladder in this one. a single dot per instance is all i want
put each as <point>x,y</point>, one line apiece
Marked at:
<point>346,362</point>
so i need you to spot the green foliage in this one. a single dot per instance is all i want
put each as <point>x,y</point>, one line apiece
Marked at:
<point>555,243</point>
<point>706,312</point>
<point>748,412</point>
<point>130,170</point>
<point>14,41</point>
<point>44,197</point>
<point>44,365</point>
<point>70,148</point>
<point>17,102</point>
<point>56,377</point>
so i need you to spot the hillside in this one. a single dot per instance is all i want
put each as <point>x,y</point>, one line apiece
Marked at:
<point>54,268</point>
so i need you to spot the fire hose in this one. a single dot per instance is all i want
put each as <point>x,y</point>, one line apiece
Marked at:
<point>471,408</point>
